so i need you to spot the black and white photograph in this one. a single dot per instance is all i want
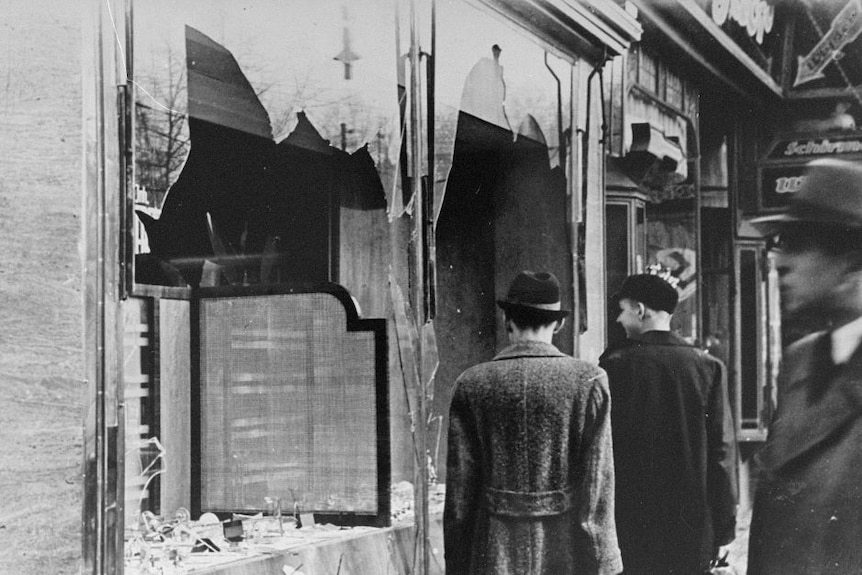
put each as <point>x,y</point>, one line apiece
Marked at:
<point>431,287</point>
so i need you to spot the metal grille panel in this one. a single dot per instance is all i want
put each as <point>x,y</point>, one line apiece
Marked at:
<point>288,405</point>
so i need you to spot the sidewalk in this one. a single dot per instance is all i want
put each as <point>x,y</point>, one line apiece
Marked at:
<point>738,557</point>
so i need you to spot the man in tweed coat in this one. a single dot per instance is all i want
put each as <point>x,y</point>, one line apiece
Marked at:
<point>674,440</point>
<point>530,486</point>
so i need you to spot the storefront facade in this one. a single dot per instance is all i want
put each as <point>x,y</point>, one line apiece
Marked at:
<point>297,221</point>
<point>721,105</point>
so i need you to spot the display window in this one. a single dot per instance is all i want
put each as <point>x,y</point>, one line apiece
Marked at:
<point>301,216</point>
<point>503,178</point>
<point>261,131</point>
<point>269,164</point>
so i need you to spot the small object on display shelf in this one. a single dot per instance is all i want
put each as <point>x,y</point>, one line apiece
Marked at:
<point>720,566</point>
<point>306,520</point>
<point>205,545</point>
<point>233,531</point>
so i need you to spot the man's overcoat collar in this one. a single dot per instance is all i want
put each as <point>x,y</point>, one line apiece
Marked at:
<point>529,349</point>
<point>805,424</point>
<point>656,338</point>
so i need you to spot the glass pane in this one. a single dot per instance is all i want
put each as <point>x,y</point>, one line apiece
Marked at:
<point>749,342</point>
<point>503,133</point>
<point>671,242</point>
<point>617,246</point>
<point>716,276</point>
<point>501,170</point>
<point>500,78</point>
<point>648,77</point>
<point>259,125</point>
<point>640,239</point>
<point>618,265</point>
<point>673,89</point>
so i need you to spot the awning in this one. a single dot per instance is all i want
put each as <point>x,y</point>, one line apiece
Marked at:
<point>650,146</point>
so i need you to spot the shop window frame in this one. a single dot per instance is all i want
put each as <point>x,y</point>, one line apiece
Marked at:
<point>752,427</point>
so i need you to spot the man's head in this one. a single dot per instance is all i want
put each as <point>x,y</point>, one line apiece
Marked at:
<point>533,301</point>
<point>646,303</point>
<point>819,242</point>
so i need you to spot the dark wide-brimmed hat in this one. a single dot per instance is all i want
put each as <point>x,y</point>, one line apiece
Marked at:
<point>651,290</point>
<point>830,194</point>
<point>537,293</point>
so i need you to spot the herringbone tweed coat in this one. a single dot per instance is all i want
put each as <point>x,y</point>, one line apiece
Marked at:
<point>530,485</point>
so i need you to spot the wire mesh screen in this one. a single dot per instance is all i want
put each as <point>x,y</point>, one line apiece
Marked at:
<point>288,406</point>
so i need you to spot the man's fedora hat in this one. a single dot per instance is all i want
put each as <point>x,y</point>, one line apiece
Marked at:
<point>535,292</point>
<point>831,193</point>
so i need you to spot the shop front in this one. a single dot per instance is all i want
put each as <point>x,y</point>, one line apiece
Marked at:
<point>691,111</point>
<point>298,217</point>
<point>719,108</point>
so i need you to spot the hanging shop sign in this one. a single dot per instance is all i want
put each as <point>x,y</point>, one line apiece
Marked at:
<point>752,26</point>
<point>780,174</point>
<point>805,148</point>
<point>845,28</point>
<point>826,51</point>
<point>778,183</point>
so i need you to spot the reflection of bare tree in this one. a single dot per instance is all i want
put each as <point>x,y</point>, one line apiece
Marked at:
<point>340,114</point>
<point>328,105</point>
<point>161,134</point>
<point>351,123</point>
<point>303,91</point>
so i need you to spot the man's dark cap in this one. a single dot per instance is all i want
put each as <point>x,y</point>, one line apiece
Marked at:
<point>650,290</point>
<point>535,292</point>
<point>830,193</point>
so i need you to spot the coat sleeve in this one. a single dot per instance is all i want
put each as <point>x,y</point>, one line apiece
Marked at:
<point>598,549</point>
<point>463,482</point>
<point>722,485</point>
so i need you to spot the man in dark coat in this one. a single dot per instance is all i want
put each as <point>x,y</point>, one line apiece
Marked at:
<point>530,483</point>
<point>674,442</point>
<point>807,515</point>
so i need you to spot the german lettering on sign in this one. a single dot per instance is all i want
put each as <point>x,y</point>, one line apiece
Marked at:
<point>778,183</point>
<point>804,148</point>
<point>788,184</point>
<point>845,28</point>
<point>756,16</point>
<point>813,147</point>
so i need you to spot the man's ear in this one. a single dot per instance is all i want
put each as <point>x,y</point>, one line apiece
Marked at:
<point>850,284</point>
<point>642,311</point>
<point>560,323</point>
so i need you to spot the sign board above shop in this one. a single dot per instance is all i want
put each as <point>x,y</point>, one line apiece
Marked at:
<point>753,25</point>
<point>765,48</point>
<point>777,184</point>
<point>806,148</point>
<point>780,174</point>
<point>843,31</point>
<point>755,16</point>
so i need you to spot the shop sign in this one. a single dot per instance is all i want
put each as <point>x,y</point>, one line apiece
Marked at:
<point>778,184</point>
<point>756,16</point>
<point>808,147</point>
<point>845,28</point>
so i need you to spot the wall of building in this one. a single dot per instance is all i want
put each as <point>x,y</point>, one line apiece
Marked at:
<point>40,290</point>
